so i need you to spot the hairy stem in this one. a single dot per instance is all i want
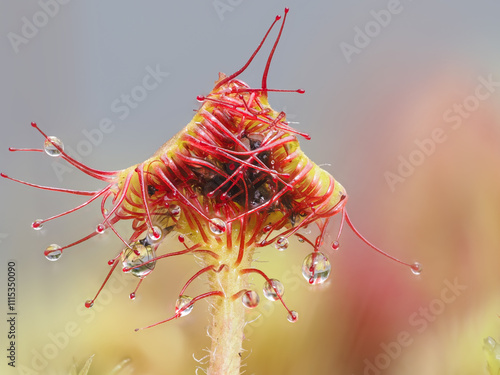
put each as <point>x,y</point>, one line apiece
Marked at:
<point>228,317</point>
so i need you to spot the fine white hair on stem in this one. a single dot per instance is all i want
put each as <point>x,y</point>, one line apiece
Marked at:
<point>202,360</point>
<point>251,321</point>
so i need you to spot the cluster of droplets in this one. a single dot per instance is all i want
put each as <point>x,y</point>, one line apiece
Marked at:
<point>273,290</point>
<point>138,258</point>
<point>52,252</point>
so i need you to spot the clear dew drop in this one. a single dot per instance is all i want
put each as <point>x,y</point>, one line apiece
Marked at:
<point>37,224</point>
<point>492,347</point>
<point>281,243</point>
<point>49,147</point>
<point>305,230</point>
<point>181,302</point>
<point>53,252</point>
<point>137,255</point>
<point>335,245</point>
<point>100,228</point>
<point>316,268</point>
<point>301,240</point>
<point>293,316</point>
<point>155,234</point>
<point>89,303</point>
<point>131,296</point>
<point>174,210</point>
<point>273,289</point>
<point>250,299</point>
<point>416,268</point>
<point>217,226</point>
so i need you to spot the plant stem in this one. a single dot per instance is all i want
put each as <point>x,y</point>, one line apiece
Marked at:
<point>228,317</point>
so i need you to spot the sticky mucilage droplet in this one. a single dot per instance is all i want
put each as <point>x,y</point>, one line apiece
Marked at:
<point>53,252</point>
<point>135,258</point>
<point>416,268</point>
<point>316,268</point>
<point>281,243</point>
<point>181,302</point>
<point>37,224</point>
<point>217,226</point>
<point>293,316</point>
<point>50,148</point>
<point>250,299</point>
<point>273,289</point>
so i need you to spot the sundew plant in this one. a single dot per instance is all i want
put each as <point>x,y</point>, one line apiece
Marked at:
<point>232,181</point>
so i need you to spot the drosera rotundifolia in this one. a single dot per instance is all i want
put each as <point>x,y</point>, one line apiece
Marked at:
<point>232,181</point>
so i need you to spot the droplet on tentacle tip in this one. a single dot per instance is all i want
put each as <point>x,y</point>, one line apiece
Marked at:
<point>181,302</point>
<point>155,234</point>
<point>89,303</point>
<point>217,226</point>
<point>250,299</point>
<point>53,252</point>
<point>100,228</point>
<point>136,256</point>
<point>416,268</point>
<point>316,268</point>
<point>335,245</point>
<point>132,296</point>
<point>175,210</point>
<point>37,224</point>
<point>273,289</point>
<point>50,148</point>
<point>281,243</point>
<point>293,316</point>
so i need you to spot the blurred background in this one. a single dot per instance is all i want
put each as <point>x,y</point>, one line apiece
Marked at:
<point>403,105</point>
